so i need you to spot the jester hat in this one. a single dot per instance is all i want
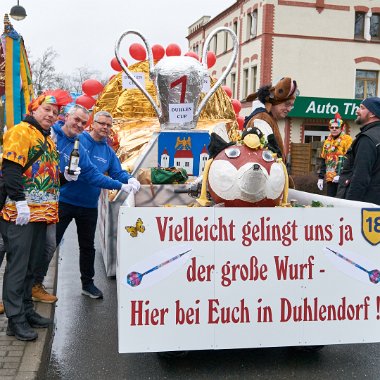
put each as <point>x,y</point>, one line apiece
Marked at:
<point>58,97</point>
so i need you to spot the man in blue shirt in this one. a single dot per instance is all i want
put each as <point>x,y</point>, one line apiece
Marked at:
<point>80,202</point>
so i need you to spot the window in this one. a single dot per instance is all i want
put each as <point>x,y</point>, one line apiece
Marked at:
<point>195,48</point>
<point>374,30</point>
<point>235,26</point>
<point>252,24</point>
<point>315,133</point>
<point>366,84</point>
<point>359,24</point>
<point>254,78</point>
<point>245,83</point>
<point>233,85</point>
<point>225,41</point>
<point>215,43</point>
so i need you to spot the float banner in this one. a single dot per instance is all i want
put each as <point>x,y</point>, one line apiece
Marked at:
<point>324,108</point>
<point>221,278</point>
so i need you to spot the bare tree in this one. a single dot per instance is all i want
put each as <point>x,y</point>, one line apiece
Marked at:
<point>45,77</point>
<point>80,75</point>
<point>43,71</point>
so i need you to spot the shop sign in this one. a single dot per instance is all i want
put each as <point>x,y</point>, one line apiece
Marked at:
<point>324,108</point>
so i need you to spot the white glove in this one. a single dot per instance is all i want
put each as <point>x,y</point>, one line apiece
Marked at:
<point>71,177</point>
<point>135,185</point>
<point>23,213</point>
<point>336,179</point>
<point>320,184</point>
<point>126,188</point>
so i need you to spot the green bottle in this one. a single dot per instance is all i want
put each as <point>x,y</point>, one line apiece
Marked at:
<point>339,167</point>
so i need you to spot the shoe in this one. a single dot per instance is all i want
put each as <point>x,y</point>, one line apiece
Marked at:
<point>92,291</point>
<point>39,294</point>
<point>38,321</point>
<point>21,330</point>
<point>1,308</point>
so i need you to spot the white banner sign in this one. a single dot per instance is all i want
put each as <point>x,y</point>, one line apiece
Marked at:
<point>181,113</point>
<point>218,278</point>
<point>127,82</point>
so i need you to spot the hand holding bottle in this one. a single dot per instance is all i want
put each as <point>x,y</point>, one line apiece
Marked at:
<point>71,177</point>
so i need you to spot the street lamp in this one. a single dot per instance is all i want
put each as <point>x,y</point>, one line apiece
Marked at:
<point>18,12</point>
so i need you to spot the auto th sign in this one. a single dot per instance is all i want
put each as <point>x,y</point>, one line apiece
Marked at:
<point>324,108</point>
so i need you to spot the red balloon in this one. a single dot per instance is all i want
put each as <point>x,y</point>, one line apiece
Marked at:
<point>158,52</point>
<point>173,50</point>
<point>137,52</point>
<point>236,106</point>
<point>240,121</point>
<point>192,54</point>
<point>85,101</point>
<point>92,87</point>
<point>115,64</point>
<point>228,91</point>
<point>211,59</point>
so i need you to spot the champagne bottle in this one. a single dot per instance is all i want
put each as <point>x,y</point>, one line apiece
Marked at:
<point>74,158</point>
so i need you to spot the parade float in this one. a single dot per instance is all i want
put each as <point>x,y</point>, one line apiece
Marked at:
<point>226,256</point>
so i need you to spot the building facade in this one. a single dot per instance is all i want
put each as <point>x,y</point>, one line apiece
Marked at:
<point>330,47</point>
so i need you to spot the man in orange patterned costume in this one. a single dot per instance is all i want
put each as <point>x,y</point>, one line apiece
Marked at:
<point>31,204</point>
<point>335,146</point>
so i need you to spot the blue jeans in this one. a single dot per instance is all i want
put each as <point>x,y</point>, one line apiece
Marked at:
<point>85,219</point>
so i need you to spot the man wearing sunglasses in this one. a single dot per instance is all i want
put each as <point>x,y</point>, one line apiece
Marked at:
<point>334,148</point>
<point>360,177</point>
<point>80,202</point>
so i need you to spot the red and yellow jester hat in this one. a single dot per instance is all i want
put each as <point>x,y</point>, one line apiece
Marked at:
<point>57,97</point>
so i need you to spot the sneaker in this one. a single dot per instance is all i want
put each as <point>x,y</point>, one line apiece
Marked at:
<point>39,294</point>
<point>92,291</point>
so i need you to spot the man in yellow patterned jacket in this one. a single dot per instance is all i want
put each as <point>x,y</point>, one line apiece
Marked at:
<point>31,204</point>
<point>334,149</point>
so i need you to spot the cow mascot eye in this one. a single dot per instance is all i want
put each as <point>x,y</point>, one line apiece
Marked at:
<point>268,156</point>
<point>232,152</point>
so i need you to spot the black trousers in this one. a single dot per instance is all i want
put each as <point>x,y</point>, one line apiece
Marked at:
<point>331,189</point>
<point>24,246</point>
<point>85,219</point>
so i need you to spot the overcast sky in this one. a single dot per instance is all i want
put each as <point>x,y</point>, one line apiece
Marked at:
<point>84,32</point>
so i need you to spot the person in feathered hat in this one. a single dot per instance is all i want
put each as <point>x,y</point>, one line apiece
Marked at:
<point>334,148</point>
<point>271,103</point>
<point>360,177</point>
<point>31,181</point>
